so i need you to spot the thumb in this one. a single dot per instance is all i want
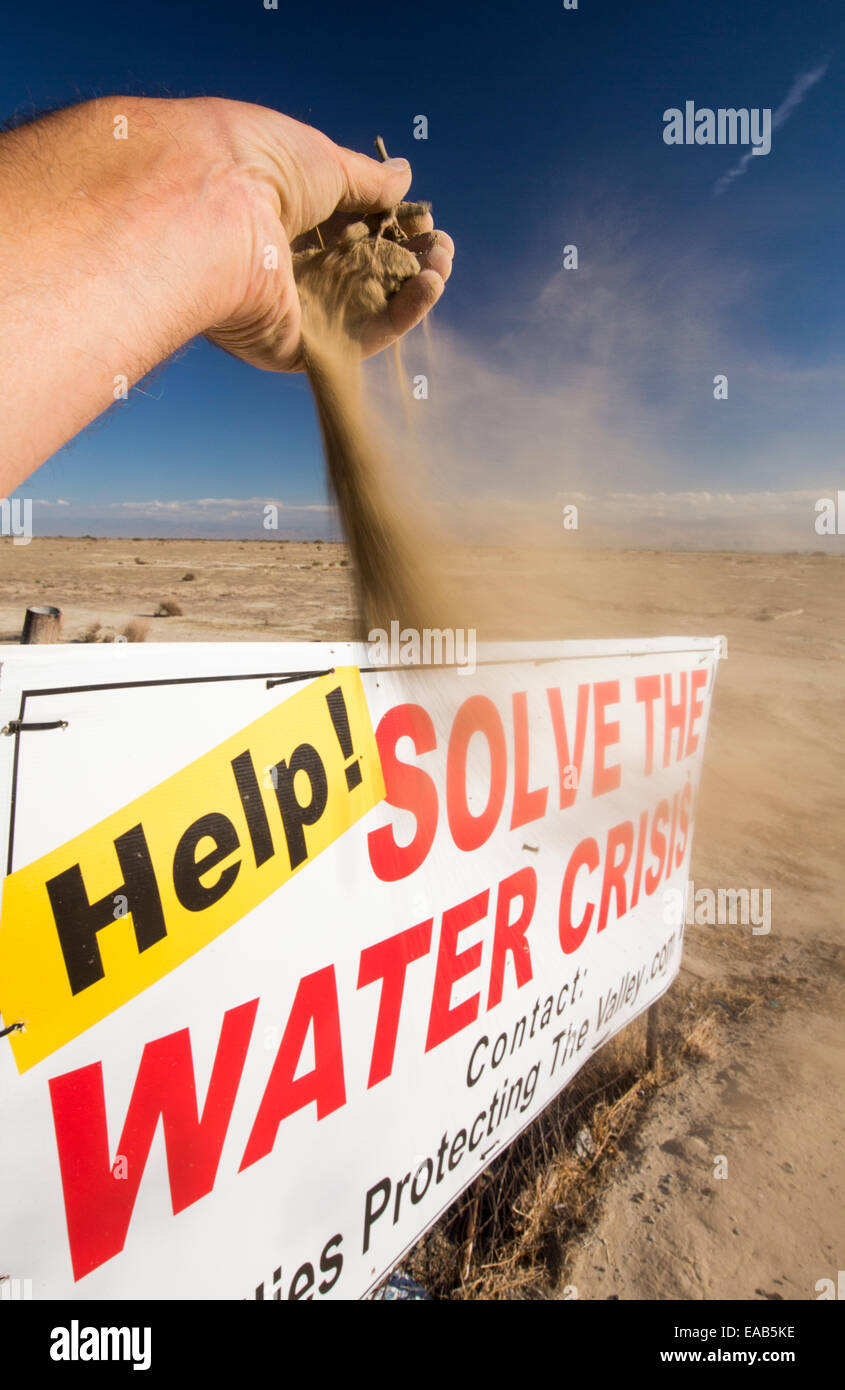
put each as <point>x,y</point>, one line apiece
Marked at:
<point>371,185</point>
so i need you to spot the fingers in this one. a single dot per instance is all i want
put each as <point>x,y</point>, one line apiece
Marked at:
<point>434,251</point>
<point>370,184</point>
<point>407,307</point>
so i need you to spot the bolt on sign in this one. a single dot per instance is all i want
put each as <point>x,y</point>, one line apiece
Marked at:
<point>291,947</point>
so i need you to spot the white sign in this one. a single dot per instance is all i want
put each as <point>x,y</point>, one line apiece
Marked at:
<point>299,944</point>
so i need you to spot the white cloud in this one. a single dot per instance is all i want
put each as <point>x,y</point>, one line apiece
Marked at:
<point>221,507</point>
<point>796,94</point>
<point>196,517</point>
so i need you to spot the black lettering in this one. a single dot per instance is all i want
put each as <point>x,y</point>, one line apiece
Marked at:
<point>306,1270</point>
<point>428,1168</point>
<point>399,1187</point>
<point>254,810</point>
<point>78,921</point>
<point>483,1041</point>
<point>188,870</point>
<point>337,710</point>
<point>294,815</point>
<point>479,1120</point>
<point>457,1149</point>
<point>517,1088</point>
<point>330,1263</point>
<point>369,1214</point>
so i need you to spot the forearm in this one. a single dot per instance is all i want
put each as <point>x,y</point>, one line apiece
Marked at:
<point>107,261</point>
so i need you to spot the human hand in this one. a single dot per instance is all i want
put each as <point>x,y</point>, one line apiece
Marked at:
<point>288,180</point>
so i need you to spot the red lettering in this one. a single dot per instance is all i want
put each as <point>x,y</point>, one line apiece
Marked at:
<point>683,824</point>
<point>697,680</point>
<point>565,763</point>
<point>614,873</point>
<point>671,845</point>
<point>605,779</point>
<point>527,806</point>
<point>638,867</point>
<point>510,936</point>
<point>658,847</point>
<point>648,692</point>
<point>584,856</point>
<point>675,717</point>
<point>97,1207</point>
<point>315,1002</point>
<point>478,714</point>
<point>408,788</point>
<point>444,1021</point>
<point>388,961</point>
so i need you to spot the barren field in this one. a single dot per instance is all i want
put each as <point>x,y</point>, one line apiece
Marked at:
<point>761,1087</point>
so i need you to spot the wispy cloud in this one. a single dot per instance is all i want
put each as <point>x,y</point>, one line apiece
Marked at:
<point>212,517</point>
<point>230,508</point>
<point>794,97</point>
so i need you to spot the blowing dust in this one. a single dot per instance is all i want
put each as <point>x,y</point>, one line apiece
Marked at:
<point>343,288</point>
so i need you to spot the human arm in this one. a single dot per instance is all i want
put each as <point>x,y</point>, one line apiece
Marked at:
<point>116,248</point>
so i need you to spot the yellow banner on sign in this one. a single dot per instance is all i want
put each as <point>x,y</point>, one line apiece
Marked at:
<point>93,923</point>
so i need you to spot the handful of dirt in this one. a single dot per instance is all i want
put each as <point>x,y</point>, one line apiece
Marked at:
<point>350,282</point>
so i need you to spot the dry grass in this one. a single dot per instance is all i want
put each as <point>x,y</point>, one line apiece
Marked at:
<point>169,608</point>
<point>700,1044</point>
<point>96,632</point>
<point>509,1235</point>
<point>136,630</point>
<point>506,1236</point>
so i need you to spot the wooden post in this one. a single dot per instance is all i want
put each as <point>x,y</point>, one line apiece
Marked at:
<point>652,1037</point>
<point>41,625</point>
<point>466,1261</point>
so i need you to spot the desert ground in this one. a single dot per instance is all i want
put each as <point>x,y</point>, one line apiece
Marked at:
<point>766,1092</point>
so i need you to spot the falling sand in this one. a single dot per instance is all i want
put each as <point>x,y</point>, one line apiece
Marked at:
<point>343,288</point>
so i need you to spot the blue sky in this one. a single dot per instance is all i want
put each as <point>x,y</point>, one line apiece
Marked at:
<point>545,129</point>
